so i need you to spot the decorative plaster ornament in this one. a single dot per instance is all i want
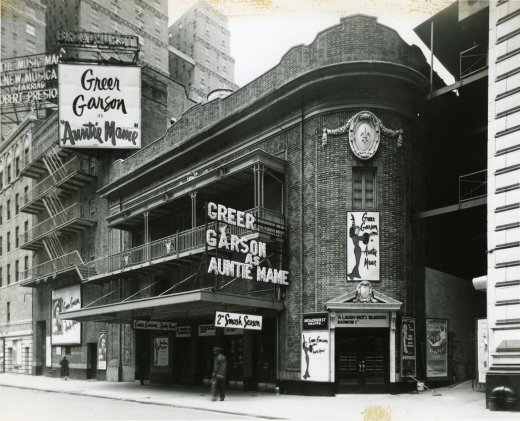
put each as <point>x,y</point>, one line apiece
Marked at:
<point>364,134</point>
<point>364,293</point>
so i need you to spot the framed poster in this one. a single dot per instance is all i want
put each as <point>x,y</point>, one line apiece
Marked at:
<point>363,246</point>
<point>102,351</point>
<point>408,348</point>
<point>482,350</point>
<point>65,332</point>
<point>161,351</point>
<point>437,349</point>
<point>315,359</point>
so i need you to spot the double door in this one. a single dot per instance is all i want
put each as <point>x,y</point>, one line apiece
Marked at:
<point>362,360</point>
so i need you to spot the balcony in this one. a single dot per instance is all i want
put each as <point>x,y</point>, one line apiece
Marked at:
<point>56,269</point>
<point>70,221</point>
<point>181,247</point>
<point>73,175</point>
<point>32,164</point>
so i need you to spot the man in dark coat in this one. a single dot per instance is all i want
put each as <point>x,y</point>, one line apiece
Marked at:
<point>218,384</point>
<point>64,371</point>
<point>143,362</point>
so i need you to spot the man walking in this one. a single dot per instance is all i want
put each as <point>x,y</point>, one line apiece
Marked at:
<point>218,384</point>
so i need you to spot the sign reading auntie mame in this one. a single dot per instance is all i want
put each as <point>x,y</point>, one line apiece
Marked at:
<point>99,106</point>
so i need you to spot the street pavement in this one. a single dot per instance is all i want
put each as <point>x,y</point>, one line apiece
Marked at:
<point>458,402</point>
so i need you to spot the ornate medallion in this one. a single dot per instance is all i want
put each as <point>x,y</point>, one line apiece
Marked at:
<point>364,293</point>
<point>364,134</point>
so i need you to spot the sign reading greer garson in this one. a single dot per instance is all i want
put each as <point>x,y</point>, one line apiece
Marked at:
<point>99,106</point>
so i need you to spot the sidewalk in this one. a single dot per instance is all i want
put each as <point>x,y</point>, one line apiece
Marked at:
<point>456,403</point>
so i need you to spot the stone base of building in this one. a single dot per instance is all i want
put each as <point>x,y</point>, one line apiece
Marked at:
<point>510,380</point>
<point>298,387</point>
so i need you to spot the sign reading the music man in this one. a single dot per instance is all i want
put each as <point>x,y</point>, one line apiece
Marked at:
<point>363,246</point>
<point>99,106</point>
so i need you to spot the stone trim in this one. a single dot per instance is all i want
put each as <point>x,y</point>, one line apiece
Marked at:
<point>152,9</point>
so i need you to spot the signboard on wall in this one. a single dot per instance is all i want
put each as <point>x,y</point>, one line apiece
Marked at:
<point>99,106</point>
<point>482,350</point>
<point>238,321</point>
<point>65,332</point>
<point>160,351</point>
<point>102,351</point>
<point>363,257</point>
<point>48,352</point>
<point>315,321</point>
<point>154,325</point>
<point>437,349</point>
<point>206,330</point>
<point>408,348</point>
<point>315,360</point>
<point>362,320</point>
<point>184,332</point>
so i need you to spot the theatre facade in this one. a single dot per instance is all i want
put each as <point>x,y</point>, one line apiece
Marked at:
<point>276,223</point>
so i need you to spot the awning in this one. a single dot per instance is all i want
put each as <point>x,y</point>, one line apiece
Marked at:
<point>185,304</point>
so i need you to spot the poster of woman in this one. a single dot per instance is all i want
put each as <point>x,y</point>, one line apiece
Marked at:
<point>315,356</point>
<point>408,347</point>
<point>363,246</point>
<point>102,351</point>
<point>161,351</point>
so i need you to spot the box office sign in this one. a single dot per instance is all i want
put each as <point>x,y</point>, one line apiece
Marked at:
<point>154,325</point>
<point>408,348</point>
<point>362,320</point>
<point>315,321</point>
<point>437,349</point>
<point>206,330</point>
<point>99,106</point>
<point>363,260</point>
<point>184,332</point>
<point>238,321</point>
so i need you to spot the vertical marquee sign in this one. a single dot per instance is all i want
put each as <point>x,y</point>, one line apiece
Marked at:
<point>315,360</point>
<point>408,348</point>
<point>363,246</point>
<point>99,106</point>
<point>437,349</point>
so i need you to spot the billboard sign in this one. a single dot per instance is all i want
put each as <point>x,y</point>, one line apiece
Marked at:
<point>99,106</point>
<point>363,257</point>
<point>315,360</point>
<point>437,349</point>
<point>238,321</point>
<point>102,351</point>
<point>65,332</point>
<point>161,351</point>
<point>408,348</point>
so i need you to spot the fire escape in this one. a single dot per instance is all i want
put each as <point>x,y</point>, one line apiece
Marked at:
<point>59,174</point>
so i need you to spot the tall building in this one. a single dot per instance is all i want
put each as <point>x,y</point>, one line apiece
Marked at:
<point>23,33</point>
<point>146,19</point>
<point>16,352</point>
<point>202,35</point>
<point>477,42</point>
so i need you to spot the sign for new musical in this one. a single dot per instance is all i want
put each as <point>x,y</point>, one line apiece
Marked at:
<point>99,106</point>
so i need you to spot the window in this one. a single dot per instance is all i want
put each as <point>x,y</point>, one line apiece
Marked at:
<point>8,210</point>
<point>8,274</point>
<point>8,310</point>
<point>17,237</point>
<point>1,281</point>
<point>117,27</point>
<point>30,12</point>
<point>1,242</point>
<point>67,350</point>
<point>1,215</point>
<point>16,204</point>
<point>140,23</point>
<point>26,226</point>
<point>202,86</point>
<point>206,51</point>
<point>157,20</point>
<point>139,10</point>
<point>157,61</point>
<point>15,37</point>
<point>1,180</point>
<point>92,252</point>
<point>117,9</point>
<point>83,254</point>
<point>30,46</point>
<point>30,29</point>
<point>26,189</point>
<point>9,173</point>
<point>8,241</point>
<point>207,62</point>
<point>94,27</point>
<point>16,268</point>
<point>364,188</point>
<point>26,263</point>
<point>94,14</point>
<point>158,33</point>
<point>92,209</point>
<point>92,167</point>
<point>156,49</point>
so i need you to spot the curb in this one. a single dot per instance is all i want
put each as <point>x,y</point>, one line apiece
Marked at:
<point>243,414</point>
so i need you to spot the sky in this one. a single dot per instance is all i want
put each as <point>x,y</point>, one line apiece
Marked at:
<point>262,31</point>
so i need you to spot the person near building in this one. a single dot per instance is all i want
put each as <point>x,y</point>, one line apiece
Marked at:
<point>64,371</point>
<point>218,383</point>
<point>143,362</point>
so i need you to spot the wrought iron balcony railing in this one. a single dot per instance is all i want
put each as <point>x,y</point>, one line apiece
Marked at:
<point>67,261</point>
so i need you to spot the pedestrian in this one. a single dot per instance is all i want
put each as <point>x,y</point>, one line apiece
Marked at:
<point>64,371</point>
<point>218,383</point>
<point>143,362</point>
